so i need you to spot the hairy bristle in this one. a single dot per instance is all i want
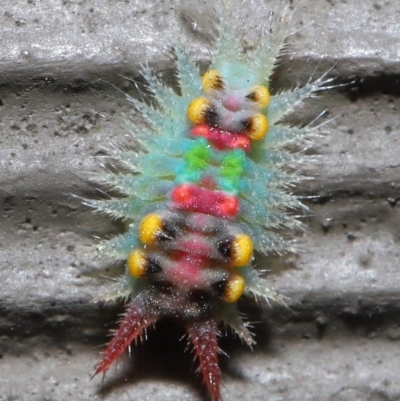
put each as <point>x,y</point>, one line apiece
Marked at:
<point>134,322</point>
<point>203,336</point>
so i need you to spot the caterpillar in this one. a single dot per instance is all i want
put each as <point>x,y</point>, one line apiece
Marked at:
<point>208,185</point>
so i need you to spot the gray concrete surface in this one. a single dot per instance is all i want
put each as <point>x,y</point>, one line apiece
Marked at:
<point>339,339</point>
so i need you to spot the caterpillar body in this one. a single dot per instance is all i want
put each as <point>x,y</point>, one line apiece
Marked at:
<point>207,188</point>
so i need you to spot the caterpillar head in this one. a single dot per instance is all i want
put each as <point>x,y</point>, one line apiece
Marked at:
<point>230,110</point>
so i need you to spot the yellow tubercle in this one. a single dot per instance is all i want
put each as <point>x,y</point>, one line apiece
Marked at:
<point>137,263</point>
<point>197,110</point>
<point>234,288</point>
<point>242,247</point>
<point>258,127</point>
<point>149,227</point>
<point>261,95</point>
<point>212,80</point>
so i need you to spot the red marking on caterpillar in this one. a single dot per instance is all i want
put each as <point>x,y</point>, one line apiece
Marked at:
<point>222,139</point>
<point>195,199</point>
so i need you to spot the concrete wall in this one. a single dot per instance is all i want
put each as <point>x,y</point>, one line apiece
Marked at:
<point>59,115</point>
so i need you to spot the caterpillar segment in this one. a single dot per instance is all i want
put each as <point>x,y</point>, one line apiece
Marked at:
<point>209,189</point>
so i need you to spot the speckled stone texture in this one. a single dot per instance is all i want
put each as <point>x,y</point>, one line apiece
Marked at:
<point>60,113</point>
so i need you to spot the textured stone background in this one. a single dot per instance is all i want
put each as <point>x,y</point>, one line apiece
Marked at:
<point>339,341</point>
